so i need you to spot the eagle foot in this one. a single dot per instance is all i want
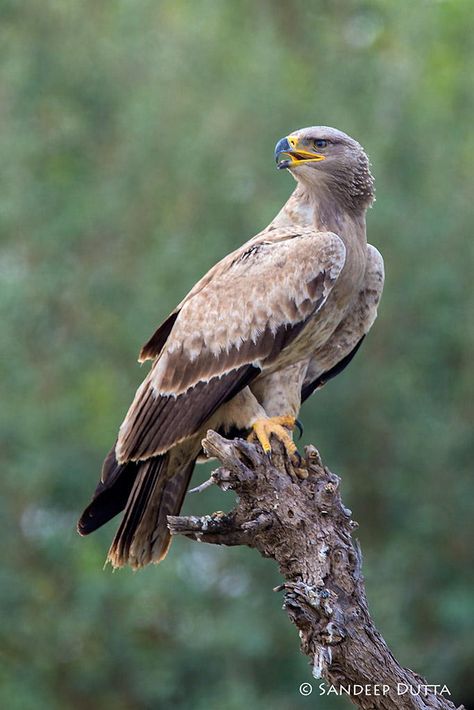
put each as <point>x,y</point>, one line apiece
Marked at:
<point>300,472</point>
<point>263,429</point>
<point>297,470</point>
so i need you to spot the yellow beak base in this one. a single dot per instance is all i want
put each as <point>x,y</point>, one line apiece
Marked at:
<point>289,153</point>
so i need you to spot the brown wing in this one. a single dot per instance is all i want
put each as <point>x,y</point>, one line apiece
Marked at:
<point>255,304</point>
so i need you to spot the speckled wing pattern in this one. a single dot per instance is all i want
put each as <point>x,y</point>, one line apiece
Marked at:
<point>239,317</point>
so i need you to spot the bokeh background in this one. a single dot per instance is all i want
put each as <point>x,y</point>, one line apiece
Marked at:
<point>137,149</point>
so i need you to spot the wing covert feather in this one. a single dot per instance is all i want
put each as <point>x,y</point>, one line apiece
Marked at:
<point>241,315</point>
<point>234,318</point>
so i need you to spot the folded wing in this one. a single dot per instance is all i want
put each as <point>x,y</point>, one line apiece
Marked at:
<point>239,317</point>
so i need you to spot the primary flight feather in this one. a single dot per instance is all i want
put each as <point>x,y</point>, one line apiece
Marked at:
<point>265,327</point>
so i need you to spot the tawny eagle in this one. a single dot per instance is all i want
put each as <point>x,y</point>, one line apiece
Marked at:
<point>262,330</point>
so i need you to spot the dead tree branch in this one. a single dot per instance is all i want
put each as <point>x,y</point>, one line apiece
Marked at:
<point>303,525</point>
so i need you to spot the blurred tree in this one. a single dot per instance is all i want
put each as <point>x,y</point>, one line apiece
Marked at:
<point>137,143</point>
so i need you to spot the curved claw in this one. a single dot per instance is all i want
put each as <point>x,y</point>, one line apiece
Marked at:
<point>264,429</point>
<point>299,426</point>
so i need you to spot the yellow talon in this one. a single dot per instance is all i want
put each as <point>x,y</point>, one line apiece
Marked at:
<point>264,428</point>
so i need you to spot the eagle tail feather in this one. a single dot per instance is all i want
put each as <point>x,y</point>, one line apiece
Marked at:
<point>143,534</point>
<point>111,494</point>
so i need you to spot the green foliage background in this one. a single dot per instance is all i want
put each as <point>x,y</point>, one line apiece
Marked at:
<point>137,141</point>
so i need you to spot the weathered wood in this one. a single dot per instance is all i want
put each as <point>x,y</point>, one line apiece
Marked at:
<point>303,525</point>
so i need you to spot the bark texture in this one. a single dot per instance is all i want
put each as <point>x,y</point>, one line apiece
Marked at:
<point>297,518</point>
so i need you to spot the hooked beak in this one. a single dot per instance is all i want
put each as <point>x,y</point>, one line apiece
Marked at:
<point>289,153</point>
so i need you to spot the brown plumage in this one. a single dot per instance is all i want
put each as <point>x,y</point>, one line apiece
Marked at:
<point>264,328</point>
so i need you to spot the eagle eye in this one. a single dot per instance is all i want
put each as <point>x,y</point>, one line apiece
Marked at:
<point>320,143</point>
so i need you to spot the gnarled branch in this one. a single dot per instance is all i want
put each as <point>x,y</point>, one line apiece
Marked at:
<point>298,519</point>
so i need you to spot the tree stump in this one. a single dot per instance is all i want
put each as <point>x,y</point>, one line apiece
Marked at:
<point>297,518</point>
